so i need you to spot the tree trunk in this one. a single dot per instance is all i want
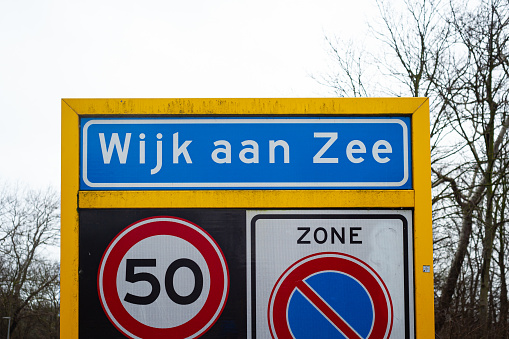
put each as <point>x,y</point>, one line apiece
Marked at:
<point>452,278</point>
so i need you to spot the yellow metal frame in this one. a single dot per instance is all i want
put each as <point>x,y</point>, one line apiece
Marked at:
<point>418,199</point>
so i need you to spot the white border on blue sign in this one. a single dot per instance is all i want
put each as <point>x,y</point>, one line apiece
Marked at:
<point>244,185</point>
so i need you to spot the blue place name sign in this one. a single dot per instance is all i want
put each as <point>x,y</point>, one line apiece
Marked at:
<point>245,153</point>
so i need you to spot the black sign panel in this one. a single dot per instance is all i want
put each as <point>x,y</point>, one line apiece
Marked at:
<point>171,256</point>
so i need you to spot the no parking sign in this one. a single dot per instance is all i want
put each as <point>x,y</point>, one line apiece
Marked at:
<point>329,294</point>
<point>331,273</point>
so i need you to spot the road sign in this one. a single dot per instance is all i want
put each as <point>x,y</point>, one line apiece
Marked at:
<point>359,259</point>
<point>330,295</point>
<point>163,277</point>
<point>272,183</point>
<point>229,153</point>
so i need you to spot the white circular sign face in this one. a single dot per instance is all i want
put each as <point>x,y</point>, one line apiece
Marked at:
<point>165,249</point>
<point>163,276</point>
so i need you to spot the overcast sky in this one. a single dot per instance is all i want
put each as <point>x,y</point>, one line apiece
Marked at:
<point>148,49</point>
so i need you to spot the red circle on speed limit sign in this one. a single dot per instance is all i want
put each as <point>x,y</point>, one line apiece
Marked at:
<point>163,277</point>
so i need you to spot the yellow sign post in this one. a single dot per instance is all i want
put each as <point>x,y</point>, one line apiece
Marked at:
<point>270,167</point>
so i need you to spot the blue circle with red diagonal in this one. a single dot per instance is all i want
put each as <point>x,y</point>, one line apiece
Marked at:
<point>330,295</point>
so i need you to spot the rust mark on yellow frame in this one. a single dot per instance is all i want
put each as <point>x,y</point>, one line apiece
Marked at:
<point>247,199</point>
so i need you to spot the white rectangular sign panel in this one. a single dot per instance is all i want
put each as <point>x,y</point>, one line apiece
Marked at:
<point>330,273</point>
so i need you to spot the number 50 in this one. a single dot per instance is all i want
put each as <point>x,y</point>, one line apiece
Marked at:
<point>132,277</point>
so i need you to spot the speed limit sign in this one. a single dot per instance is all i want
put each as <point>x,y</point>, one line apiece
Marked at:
<point>163,277</point>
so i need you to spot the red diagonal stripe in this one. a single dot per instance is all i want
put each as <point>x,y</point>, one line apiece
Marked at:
<point>327,311</point>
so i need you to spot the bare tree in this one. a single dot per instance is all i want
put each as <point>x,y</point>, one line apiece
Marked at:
<point>29,223</point>
<point>347,77</point>
<point>475,91</point>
